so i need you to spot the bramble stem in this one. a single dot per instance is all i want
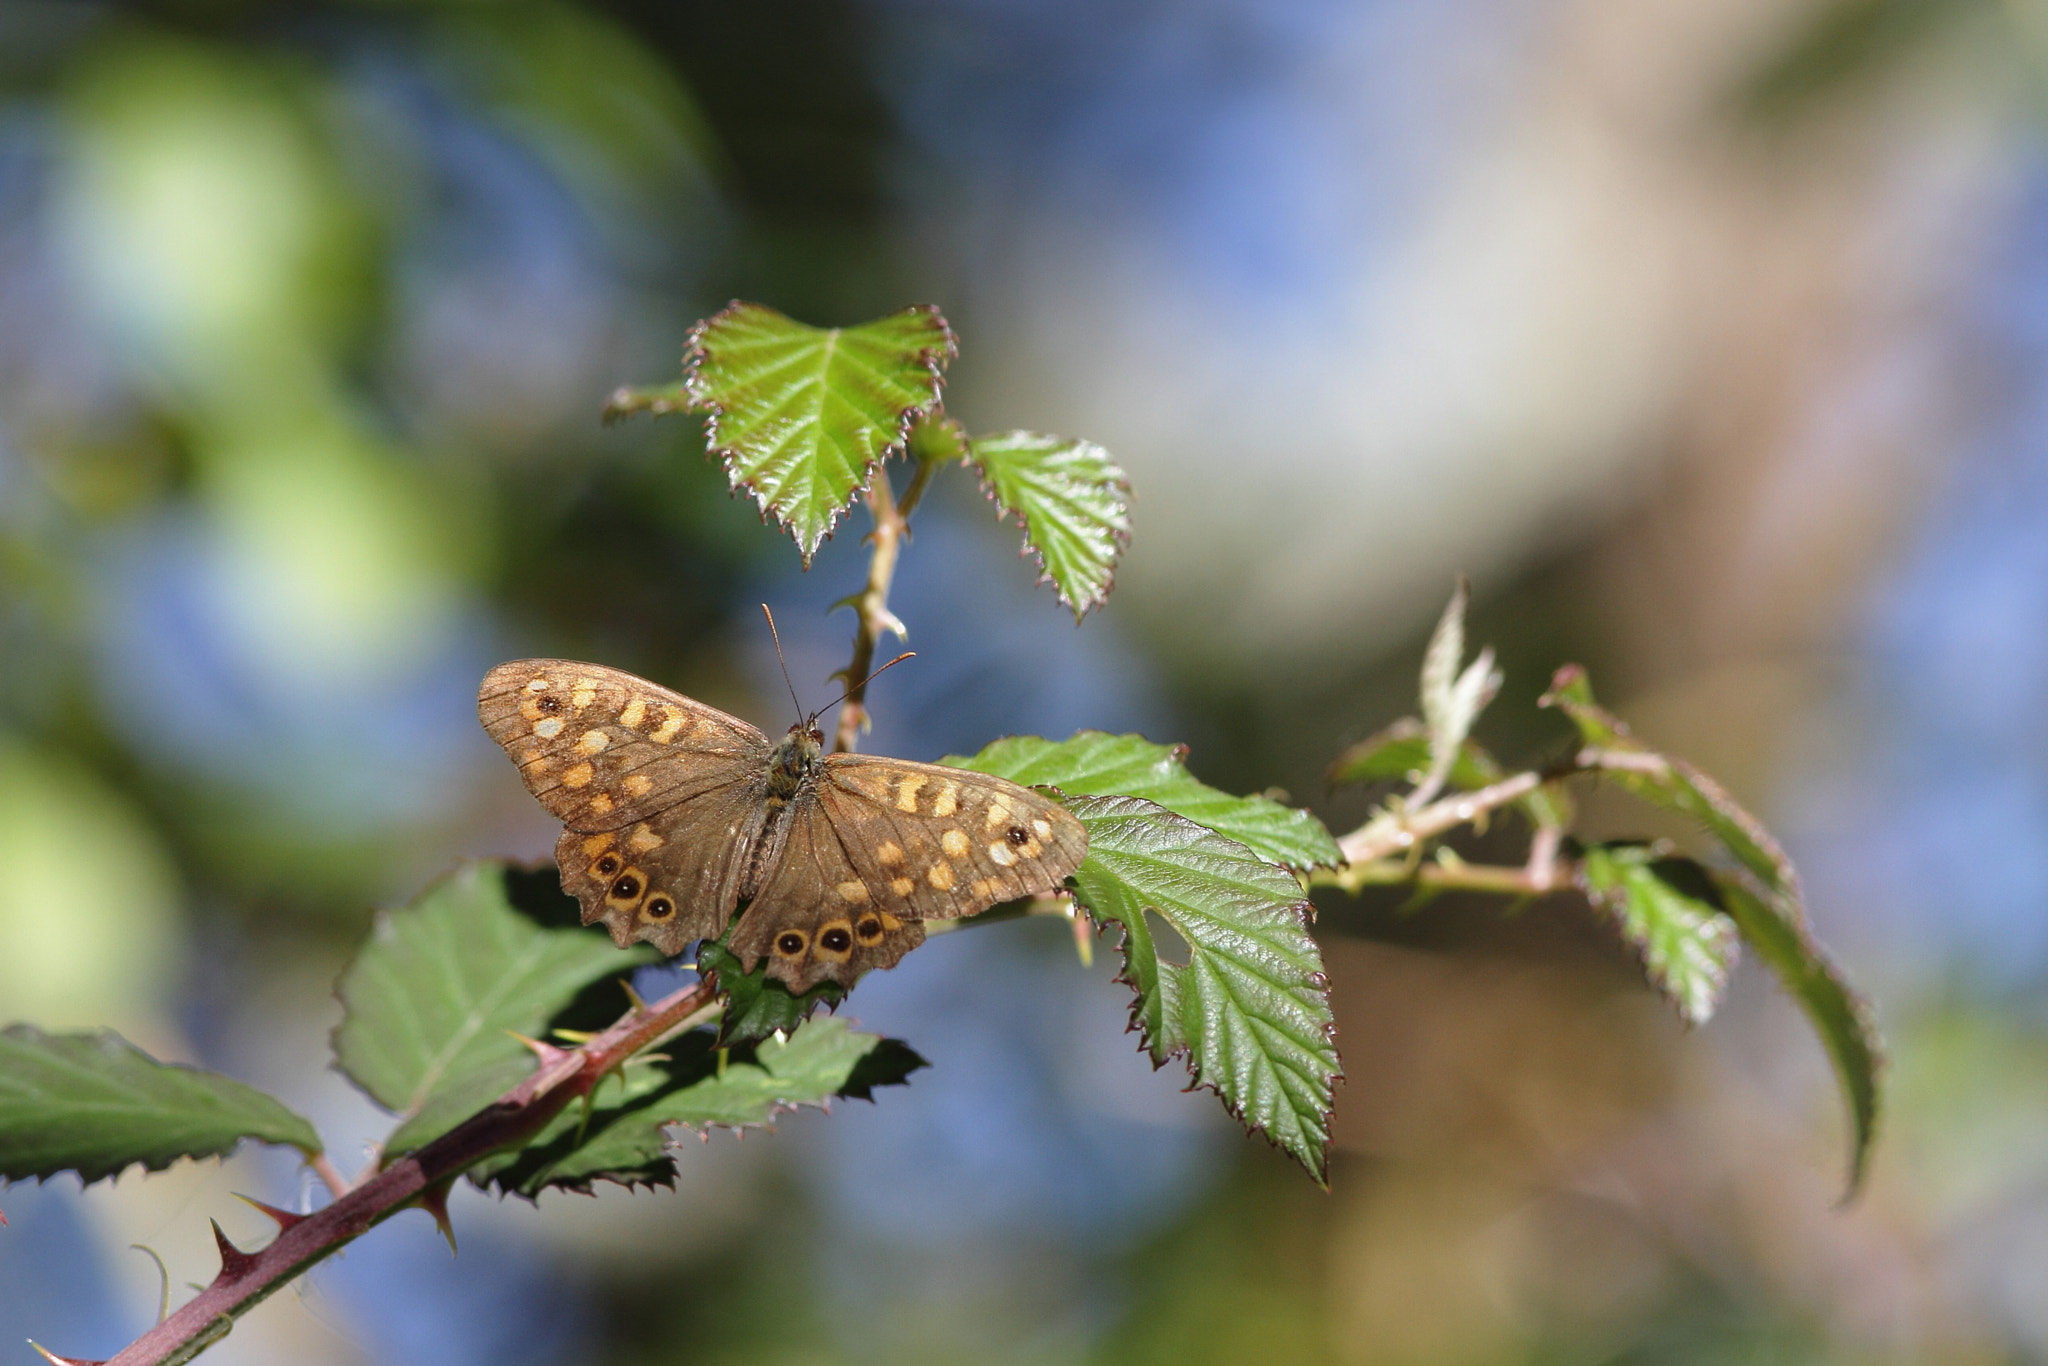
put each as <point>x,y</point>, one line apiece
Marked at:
<point>871,607</point>
<point>420,1177</point>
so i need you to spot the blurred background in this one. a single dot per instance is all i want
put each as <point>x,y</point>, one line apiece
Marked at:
<point>1709,336</point>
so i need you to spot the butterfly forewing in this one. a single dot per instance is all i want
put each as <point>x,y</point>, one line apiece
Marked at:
<point>603,749</point>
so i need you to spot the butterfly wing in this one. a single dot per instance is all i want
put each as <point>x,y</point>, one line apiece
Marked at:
<point>815,917</point>
<point>946,842</point>
<point>662,795</point>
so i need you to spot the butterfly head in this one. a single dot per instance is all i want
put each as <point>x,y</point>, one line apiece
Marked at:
<point>794,757</point>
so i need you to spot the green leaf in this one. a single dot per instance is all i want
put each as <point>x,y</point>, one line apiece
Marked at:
<point>755,1005</point>
<point>1452,701</point>
<point>1401,753</point>
<point>1094,763</point>
<point>621,1140</point>
<point>1250,1008</point>
<point>433,1000</point>
<point>801,416</point>
<point>94,1104</point>
<point>1074,504</point>
<point>658,399</point>
<point>1669,909</point>
<point>1762,895</point>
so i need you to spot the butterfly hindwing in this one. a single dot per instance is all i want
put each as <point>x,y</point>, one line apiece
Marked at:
<point>603,749</point>
<point>947,842</point>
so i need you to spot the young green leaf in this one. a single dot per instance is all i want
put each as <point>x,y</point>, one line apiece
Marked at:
<point>1762,896</point>
<point>1250,1008</point>
<point>1073,501</point>
<point>658,399</point>
<point>755,1005</point>
<point>1094,763</point>
<point>620,1140</point>
<point>801,416</point>
<point>433,1000</point>
<point>1451,701</point>
<point>94,1104</point>
<point>1401,753</point>
<point>1668,909</point>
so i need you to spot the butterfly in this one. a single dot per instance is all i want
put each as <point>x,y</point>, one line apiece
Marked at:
<point>676,815</point>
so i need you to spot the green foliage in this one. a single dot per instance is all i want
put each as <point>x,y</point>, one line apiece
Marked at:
<point>756,1006</point>
<point>802,416</point>
<point>1094,763</point>
<point>1250,1008</point>
<point>1402,752</point>
<point>1452,700</point>
<point>1669,909</point>
<point>1761,893</point>
<point>1074,503</point>
<point>96,1104</point>
<point>693,1082</point>
<point>435,998</point>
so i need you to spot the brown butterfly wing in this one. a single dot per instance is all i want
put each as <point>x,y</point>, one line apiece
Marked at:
<point>662,795</point>
<point>815,917</point>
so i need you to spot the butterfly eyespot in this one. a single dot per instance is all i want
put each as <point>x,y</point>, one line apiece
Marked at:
<point>836,939</point>
<point>626,888</point>
<point>789,943</point>
<point>661,908</point>
<point>869,930</point>
<point>1019,835</point>
<point>606,866</point>
<point>550,705</point>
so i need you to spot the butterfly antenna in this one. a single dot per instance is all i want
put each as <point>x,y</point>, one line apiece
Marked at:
<point>776,636</point>
<point>907,654</point>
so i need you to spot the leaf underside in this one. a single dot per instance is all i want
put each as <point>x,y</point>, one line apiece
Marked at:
<point>1668,909</point>
<point>433,1000</point>
<point>1095,763</point>
<point>1073,501</point>
<point>801,416</point>
<point>1250,1009</point>
<point>95,1104</point>
<point>620,1138</point>
<point>1761,893</point>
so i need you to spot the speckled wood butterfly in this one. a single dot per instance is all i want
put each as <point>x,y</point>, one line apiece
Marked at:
<point>677,813</point>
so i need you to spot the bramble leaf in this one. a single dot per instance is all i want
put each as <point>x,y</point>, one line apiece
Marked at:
<point>620,1139</point>
<point>95,1104</point>
<point>1761,894</point>
<point>1073,501</point>
<point>801,416</point>
<point>756,1005</point>
<point>433,1000</point>
<point>1668,909</point>
<point>1095,763</point>
<point>1452,701</point>
<point>1250,1009</point>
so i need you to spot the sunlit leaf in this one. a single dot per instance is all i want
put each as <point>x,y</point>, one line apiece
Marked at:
<point>433,1000</point>
<point>1250,1009</point>
<point>620,1139</point>
<point>95,1104</point>
<point>1762,895</point>
<point>756,1005</point>
<point>1074,502</point>
<point>1667,908</point>
<point>800,415</point>
<point>1095,763</point>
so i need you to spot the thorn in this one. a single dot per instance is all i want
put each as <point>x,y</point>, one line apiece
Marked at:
<point>723,1055</point>
<point>639,1006</point>
<point>575,1036</point>
<point>3,1218</point>
<point>1084,938</point>
<point>285,1218</point>
<point>546,1052</point>
<point>163,1300</point>
<point>434,1200</point>
<point>49,1355</point>
<point>234,1263</point>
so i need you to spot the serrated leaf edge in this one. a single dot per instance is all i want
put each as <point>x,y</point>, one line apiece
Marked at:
<point>1121,535</point>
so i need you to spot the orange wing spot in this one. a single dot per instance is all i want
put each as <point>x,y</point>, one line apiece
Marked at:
<point>579,776</point>
<point>1030,849</point>
<point>902,886</point>
<point>982,887</point>
<point>1044,829</point>
<point>888,853</point>
<point>537,685</point>
<point>643,839</point>
<point>597,844</point>
<point>634,714</point>
<point>906,791</point>
<point>601,804</point>
<point>948,800</point>
<point>853,892</point>
<point>593,742</point>
<point>638,785</point>
<point>533,758</point>
<point>998,814</point>
<point>954,842</point>
<point>548,729</point>
<point>530,709</point>
<point>891,923</point>
<point>584,694</point>
<point>835,941</point>
<point>672,723</point>
<point>940,875</point>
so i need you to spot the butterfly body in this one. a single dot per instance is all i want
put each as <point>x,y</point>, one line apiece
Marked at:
<point>677,815</point>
